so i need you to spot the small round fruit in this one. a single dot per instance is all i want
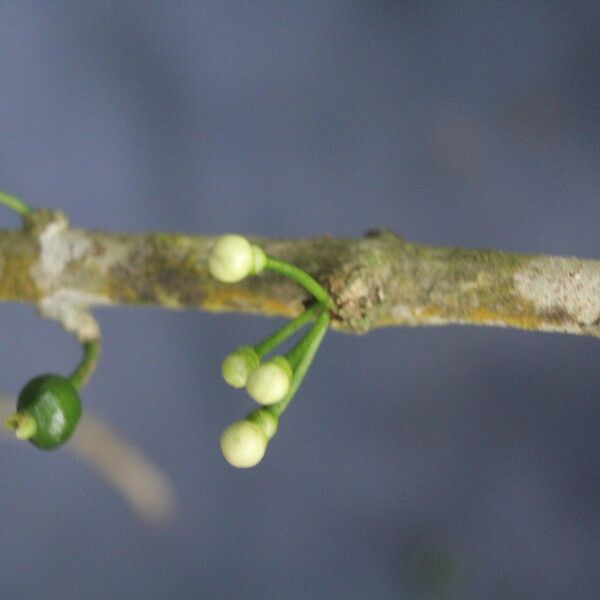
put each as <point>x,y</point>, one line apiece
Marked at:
<point>243,444</point>
<point>54,405</point>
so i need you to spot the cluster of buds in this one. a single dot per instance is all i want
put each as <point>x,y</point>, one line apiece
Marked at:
<point>273,382</point>
<point>49,406</point>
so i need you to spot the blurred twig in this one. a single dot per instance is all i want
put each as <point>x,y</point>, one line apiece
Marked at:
<point>143,485</point>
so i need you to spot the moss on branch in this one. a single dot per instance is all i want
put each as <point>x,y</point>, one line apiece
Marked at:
<point>376,281</point>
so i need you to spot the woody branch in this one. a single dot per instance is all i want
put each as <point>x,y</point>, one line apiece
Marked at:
<point>376,281</point>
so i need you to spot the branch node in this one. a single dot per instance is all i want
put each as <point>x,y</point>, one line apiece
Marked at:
<point>59,246</point>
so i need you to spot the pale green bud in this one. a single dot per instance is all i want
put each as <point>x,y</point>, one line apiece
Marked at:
<point>265,419</point>
<point>237,366</point>
<point>243,444</point>
<point>233,258</point>
<point>270,382</point>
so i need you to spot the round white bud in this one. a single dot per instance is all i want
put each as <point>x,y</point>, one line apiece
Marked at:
<point>233,258</point>
<point>243,444</point>
<point>270,382</point>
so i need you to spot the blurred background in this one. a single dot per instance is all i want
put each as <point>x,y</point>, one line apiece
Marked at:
<point>453,462</point>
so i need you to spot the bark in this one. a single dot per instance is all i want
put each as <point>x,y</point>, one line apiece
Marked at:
<point>377,281</point>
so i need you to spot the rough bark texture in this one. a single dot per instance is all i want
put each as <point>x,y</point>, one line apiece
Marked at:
<point>377,281</point>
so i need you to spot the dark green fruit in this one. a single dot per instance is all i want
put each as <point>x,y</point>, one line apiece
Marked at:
<point>53,403</point>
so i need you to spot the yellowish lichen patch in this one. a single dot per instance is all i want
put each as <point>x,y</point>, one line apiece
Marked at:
<point>227,298</point>
<point>484,316</point>
<point>16,282</point>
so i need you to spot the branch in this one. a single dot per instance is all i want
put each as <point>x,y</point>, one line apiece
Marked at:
<point>377,281</point>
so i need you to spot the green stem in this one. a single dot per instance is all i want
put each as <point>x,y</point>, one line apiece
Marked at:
<point>285,332</point>
<point>91,353</point>
<point>302,355</point>
<point>14,204</point>
<point>296,354</point>
<point>299,276</point>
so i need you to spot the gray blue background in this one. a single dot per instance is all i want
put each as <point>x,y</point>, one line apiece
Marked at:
<point>450,462</point>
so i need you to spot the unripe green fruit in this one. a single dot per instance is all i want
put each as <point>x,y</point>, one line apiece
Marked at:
<point>243,444</point>
<point>270,382</point>
<point>53,403</point>
<point>237,366</point>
